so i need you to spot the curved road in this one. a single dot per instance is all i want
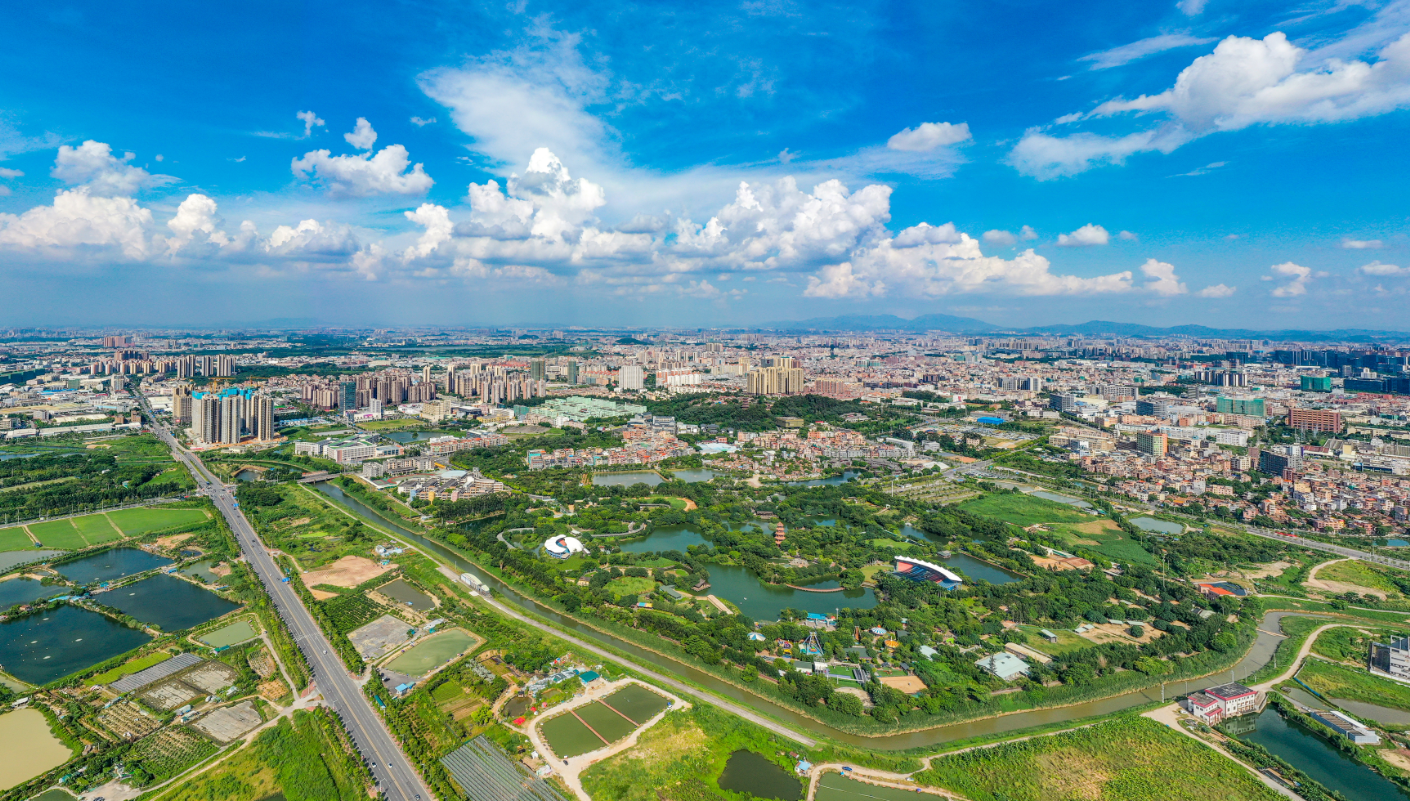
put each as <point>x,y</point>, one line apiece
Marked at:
<point>394,773</point>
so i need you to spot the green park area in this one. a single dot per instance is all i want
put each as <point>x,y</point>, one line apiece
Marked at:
<point>1126,759</point>
<point>1359,574</point>
<point>630,585</point>
<point>1023,510</point>
<point>1071,527</point>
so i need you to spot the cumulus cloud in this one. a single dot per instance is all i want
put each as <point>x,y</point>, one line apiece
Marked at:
<point>1000,238</point>
<point>1376,268</point>
<point>928,136</point>
<point>1217,291</point>
<point>422,123</point>
<point>362,136</point>
<point>1163,280</point>
<point>387,172</point>
<point>80,219</point>
<point>93,166</point>
<point>310,121</point>
<point>1027,233</point>
<point>1127,236</point>
<point>1125,54</point>
<point>195,222</point>
<point>1243,82</point>
<point>1299,277</point>
<point>1361,244</point>
<point>926,234</point>
<point>1086,236</point>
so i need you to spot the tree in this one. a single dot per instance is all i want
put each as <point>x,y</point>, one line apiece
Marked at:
<point>1079,674</point>
<point>846,703</point>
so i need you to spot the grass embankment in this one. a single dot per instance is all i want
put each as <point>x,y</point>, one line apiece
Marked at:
<point>1339,681</point>
<point>1126,759</point>
<point>306,759</point>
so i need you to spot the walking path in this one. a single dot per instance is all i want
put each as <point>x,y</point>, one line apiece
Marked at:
<point>570,769</point>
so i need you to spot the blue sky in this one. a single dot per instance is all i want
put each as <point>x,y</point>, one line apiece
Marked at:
<point>702,164</point>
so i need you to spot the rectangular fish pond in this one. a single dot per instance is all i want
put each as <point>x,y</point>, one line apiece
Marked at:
<point>404,593</point>
<point>432,652</point>
<point>167,602</point>
<point>110,565</point>
<point>602,722</point>
<point>41,648</point>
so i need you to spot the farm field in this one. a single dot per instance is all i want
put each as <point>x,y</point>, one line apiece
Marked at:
<point>96,529</point>
<point>14,539</point>
<point>236,632</point>
<point>73,533</point>
<point>600,723</point>
<point>127,668</point>
<point>58,534</point>
<point>136,522</point>
<point>1098,762</point>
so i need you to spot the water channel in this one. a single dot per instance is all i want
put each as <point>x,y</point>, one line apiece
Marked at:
<point>1261,653</point>
<point>1317,758</point>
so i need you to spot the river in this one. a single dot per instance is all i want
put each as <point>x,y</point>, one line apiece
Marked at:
<point>1262,651</point>
<point>1317,758</point>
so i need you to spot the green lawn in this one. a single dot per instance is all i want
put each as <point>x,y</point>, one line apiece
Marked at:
<point>1338,681</point>
<point>1111,542</point>
<point>14,539</point>
<point>1067,641</point>
<point>1023,510</point>
<point>135,522</point>
<point>676,503</point>
<point>96,529</point>
<point>630,585</point>
<point>142,663</point>
<point>889,544</point>
<point>1358,573</point>
<point>58,534</point>
<point>1126,759</point>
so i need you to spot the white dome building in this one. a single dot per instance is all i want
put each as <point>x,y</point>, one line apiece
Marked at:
<point>562,547</point>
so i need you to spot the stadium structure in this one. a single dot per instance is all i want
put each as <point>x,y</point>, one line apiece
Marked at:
<point>917,570</point>
<point>563,546</point>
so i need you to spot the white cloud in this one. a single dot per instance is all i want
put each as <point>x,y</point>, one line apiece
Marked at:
<point>1000,238</point>
<point>926,234</point>
<point>93,165</point>
<point>928,136</point>
<point>1086,236</point>
<point>1376,268</point>
<point>1244,82</point>
<point>1127,53</point>
<point>1300,276</point>
<point>80,219</point>
<point>312,239</point>
<point>1191,8</point>
<point>195,222</point>
<point>1361,244</point>
<point>1127,236</point>
<point>5,172</point>
<point>422,123</point>
<point>838,281</point>
<point>1217,291</point>
<point>362,136</point>
<point>1163,280</point>
<point>310,121</point>
<point>1027,233</point>
<point>384,173</point>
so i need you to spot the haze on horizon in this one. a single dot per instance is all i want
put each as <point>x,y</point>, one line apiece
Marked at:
<point>1233,165</point>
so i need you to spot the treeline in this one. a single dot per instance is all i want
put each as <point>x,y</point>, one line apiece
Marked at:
<point>99,481</point>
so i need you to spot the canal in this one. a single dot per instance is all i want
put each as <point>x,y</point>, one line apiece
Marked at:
<point>1261,653</point>
<point>1317,758</point>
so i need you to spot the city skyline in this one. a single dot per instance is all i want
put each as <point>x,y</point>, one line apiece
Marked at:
<point>541,164</point>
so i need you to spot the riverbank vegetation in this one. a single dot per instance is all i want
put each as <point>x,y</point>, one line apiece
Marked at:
<point>1342,682</point>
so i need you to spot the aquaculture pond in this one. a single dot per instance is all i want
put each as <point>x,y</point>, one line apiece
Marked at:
<point>840,787</point>
<point>9,559</point>
<point>1162,526</point>
<point>202,570</point>
<point>167,602</point>
<point>1319,759</point>
<point>23,590</point>
<point>405,594</point>
<point>648,477</point>
<point>754,598</point>
<point>748,772</point>
<point>41,648</point>
<point>110,565</point>
<point>976,570</point>
<point>432,652</point>
<point>29,746</point>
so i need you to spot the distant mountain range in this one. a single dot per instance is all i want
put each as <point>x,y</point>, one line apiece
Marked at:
<point>969,325</point>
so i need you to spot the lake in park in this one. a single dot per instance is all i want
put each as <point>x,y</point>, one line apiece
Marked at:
<point>1151,524</point>
<point>41,648</point>
<point>692,475</point>
<point>647,477</point>
<point>23,590</point>
<point>748,772</point>
<point>202,570</point>
<point>754,598</point>
<point>1319,759</point>
<point>977,570</point>
<point>110,565</point>
<point>167,602</point>
<point>831,481</point>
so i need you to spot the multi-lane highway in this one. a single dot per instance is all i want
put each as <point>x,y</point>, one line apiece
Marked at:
<point>394,773</point>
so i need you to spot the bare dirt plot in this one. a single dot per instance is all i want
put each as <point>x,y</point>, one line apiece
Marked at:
<point>1337,587</point>
<point>212,677</point>
<point>347,572</point>
<point>380,637</point>
<point>229,722</point>
<point>1110,632</point>
<point>906,684</point>
<point>169,694</point>
<point>322,595</point>
<point>860,694</point>
<point>173,540</point>
<point>1398,757</point>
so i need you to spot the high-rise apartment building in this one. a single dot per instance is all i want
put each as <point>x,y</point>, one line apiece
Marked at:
<point>1152,443</point>
<point>232,413</point>
<point>1318,420</point>
<point>225,366</point>
<point>572,371</point>
<point>1252,407</point>
<point>347,396</point>
<point>538,369</point>
<point>181,406</point>
<point>205,418</point>
<point>783,379</point>
<point>262,417</point>
<point>631,377</point>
